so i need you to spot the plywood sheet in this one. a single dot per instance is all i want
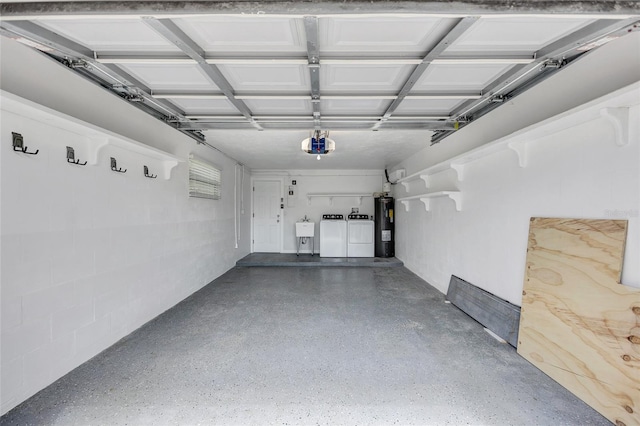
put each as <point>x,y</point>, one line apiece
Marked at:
<point>578,324</point>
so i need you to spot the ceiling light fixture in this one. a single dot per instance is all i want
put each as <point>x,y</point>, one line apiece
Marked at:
<point>319,144</point>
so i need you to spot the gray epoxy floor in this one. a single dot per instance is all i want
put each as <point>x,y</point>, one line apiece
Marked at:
<point>354,346</point>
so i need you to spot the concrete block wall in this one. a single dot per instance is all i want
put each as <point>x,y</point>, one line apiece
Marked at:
<point>575,170</point>
<point>89,255</point>
<point>578,171</point>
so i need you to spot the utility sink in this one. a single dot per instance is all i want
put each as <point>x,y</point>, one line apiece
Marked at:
<point>305,229</point>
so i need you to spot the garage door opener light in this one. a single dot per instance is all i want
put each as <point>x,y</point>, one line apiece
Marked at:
<point>319,143</point>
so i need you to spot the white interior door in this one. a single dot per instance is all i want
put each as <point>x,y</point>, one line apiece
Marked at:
<point>267,216</point>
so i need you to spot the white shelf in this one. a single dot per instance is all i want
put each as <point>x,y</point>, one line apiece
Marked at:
<point>422,174</point>
<point>456,196</point>
<point>97,138</point>
<point>612,107</point>
<point>331,196</point>
<point>458,163</point>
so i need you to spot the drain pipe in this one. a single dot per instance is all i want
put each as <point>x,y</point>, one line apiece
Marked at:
<point>236,219</point>
<point>242,191</point>
<point>235,202</point>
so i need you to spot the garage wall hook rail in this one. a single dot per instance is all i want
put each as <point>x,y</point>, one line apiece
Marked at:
<point>18,144</point>
<point>71,157</point>
<point>115,168</point>
<point>146,173</point>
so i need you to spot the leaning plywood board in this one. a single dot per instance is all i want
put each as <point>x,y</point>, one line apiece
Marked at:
<point>578,324</point>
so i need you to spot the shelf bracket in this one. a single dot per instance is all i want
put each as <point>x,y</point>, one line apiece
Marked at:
<point>520,148</point>
<point>308,200</point>
<point>424,200</point>
<point>168,167</point>
<point>459,168</point>
<point>405,184</point>
<point>95,147</point>
<point>359,201</point>
<point>619,118</point>
<point>425,178</point>
<point>457,198</point>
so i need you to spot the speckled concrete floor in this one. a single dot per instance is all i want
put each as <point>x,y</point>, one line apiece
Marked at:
<point>356,346</point>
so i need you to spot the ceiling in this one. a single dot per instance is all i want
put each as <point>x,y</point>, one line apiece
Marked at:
<point>254,85</point>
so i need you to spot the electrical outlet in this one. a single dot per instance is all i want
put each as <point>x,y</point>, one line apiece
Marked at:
<point>355,210</point>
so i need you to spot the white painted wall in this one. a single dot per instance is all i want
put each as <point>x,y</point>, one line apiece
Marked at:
<point>602,71</point>
<point>89,255</point>
<point>322,181</point>
<point>572,170</point>
<point>576,172</point>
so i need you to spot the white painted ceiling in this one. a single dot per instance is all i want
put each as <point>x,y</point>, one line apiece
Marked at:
<point>380,83</point>
<point>356,149</point>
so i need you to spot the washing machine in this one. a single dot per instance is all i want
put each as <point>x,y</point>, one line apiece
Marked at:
<point>333,236</point>
<point>360,236</point>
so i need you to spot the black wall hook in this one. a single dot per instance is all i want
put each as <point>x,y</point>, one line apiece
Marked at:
<point>18,144</point>
<point>71,157</point>
<point>146,173</point>
<point>115,168</point>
